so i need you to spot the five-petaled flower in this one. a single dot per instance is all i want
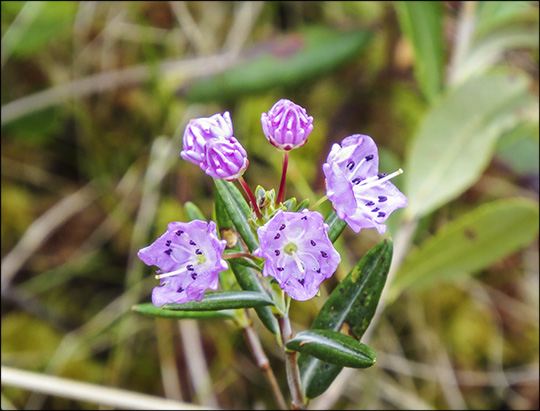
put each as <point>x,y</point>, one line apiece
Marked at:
<point>189,256</point>
<point>286,125</point>
<point>298,252</point>
<point>360,196</point>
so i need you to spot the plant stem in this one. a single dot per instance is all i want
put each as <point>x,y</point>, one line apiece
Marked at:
<point>251,197</point>
<point>291,365</point>
<point>281,193</point>
<point>255,346</point>
<point>238,255</point>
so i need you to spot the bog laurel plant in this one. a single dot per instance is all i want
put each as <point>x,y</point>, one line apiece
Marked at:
<point>278,249</point>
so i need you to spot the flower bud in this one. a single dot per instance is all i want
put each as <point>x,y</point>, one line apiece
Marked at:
<point>225,159</point>
<point>286,125</point>
<point>200,131</point>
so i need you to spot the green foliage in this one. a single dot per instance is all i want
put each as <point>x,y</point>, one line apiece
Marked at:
<point>349,309</point>
<point>221,300</point>
<point>422,22</point>
<point>152,310</point>
<point>333,347</point>
<point>456,139</point>
<point>470,243</point>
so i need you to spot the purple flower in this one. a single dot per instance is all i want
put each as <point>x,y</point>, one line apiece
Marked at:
<point>360,196</point>
<point>286,125</point>
<point>200,131</point>
<point>298,252</point>
<point>225,159</point>
<point>189,258</point>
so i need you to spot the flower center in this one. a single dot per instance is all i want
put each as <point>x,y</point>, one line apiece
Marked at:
<point>200,259</point>
<point>290,248</point>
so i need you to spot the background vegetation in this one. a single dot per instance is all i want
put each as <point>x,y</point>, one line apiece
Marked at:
<point>95,98</point>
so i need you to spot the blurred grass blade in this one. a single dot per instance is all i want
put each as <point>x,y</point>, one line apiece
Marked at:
<point>333,347</point>
<point>151,309</point>
<point>246,277</point>
<point>222,300</point>
<point>239,211</point>
<point>456,139</point>
<point>193,212</point>
<point>492,15</point>
<point>336,226</point>
<point>421,21</point>
<point>350,308</point>
<point>284,62</point>
<point>470,243</point>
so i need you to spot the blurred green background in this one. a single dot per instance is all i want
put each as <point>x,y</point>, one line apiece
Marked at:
<point>95,98</point>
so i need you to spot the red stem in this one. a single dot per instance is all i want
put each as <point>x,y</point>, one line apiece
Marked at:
<point>251,197</point>
<point>281,193</point>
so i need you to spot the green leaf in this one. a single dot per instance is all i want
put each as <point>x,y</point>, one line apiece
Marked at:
<point>221,300</point>
<point>247,278</point>
<point>336,226</point>
<point>284,62</point>
<point>421,21</point>
<point>470,243</point>
<point>456,139</point>
<point>491,15</point>
<point>43,23</point>
<point>193,212</point>
<point>151,309</point>
<point>334,348</point>
<point>238,210</point>
<point>303,204</point>
<point>349,308</point>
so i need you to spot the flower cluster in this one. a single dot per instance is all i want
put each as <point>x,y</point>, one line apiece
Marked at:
<point>295,246</point>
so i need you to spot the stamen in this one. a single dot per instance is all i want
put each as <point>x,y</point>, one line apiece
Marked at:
<point>172,273</point>
<point>381,180</point>
<point>298,262</point>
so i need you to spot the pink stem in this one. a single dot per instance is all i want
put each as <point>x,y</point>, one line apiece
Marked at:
<point>251,197</point>
<point>281,193</point>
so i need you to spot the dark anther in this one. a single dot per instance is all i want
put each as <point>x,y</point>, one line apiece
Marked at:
<point>324,254</point>
<point>180,289</point>
<point>381,214</point>
<point>350,165</point>
<point>179,232</point>
<point>194,275</point>
<point>319,270</point>
<point>304,218</point>
<point>277,252</point>
<point>375,210</point>
<point>302,281</point>
<point>190,267</point>
<point>282,226</point>
<point>370,203</point>
<point>369,158</point>
<point>168,243</point>
<point>280,269</point>
<point>313,243</point>
<point>192,242</point>
<point>382,199</point>
<point>197,251</point>
<point>277,236</point>
<point>357,181</point>
<point>168,252</point>
<point>381,175</point>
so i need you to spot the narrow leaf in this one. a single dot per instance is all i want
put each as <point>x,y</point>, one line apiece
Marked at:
<point>151,309</point>
<point>456,139</point>
<point>470,243</point>
<point>421,21</point>
<point>221,300</point>
<point>336,226</point>
<point>333,347</point>
<point>246,277</point>
<point>238,210</point>
<point>283,62</point>
<point>349,308</point>
<point>193,212</point>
